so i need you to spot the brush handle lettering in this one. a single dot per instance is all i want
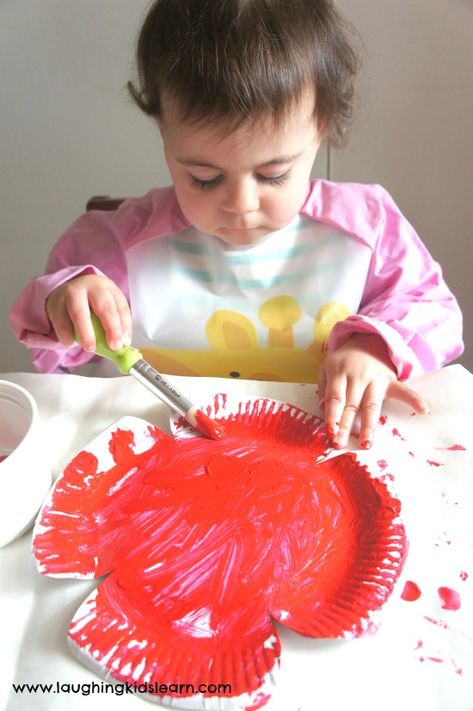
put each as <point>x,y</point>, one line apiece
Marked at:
<point>154,381</point>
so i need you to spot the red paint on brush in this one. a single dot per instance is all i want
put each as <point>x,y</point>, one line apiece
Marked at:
<point>411,591</point>
<point>450,598</point>
<point>206,540</point>
<point>207,426</point>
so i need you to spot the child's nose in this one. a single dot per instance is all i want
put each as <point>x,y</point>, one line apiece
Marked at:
<point>241,198</point>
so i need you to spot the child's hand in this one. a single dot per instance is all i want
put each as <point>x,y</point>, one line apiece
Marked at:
<point>69,306</point>
<point>357,378</point>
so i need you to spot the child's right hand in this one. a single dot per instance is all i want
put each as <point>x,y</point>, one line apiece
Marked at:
<point>69,307</point>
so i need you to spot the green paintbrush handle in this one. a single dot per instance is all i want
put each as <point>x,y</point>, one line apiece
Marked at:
<point>124,358</point>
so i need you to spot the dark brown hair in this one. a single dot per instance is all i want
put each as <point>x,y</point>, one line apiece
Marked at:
<point>239,59</point>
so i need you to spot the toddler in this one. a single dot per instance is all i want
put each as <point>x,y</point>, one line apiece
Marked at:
<point>245,267</point>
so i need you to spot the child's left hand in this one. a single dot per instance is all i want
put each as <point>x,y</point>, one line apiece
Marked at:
<point>357,378</point>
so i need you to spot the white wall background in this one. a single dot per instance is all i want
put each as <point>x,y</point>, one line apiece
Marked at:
<point>69,131</point>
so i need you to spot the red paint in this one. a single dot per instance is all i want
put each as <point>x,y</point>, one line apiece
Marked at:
<point>208,427</point>
<point>366,444</point>
<point>396,433</point>
<point>411,591</point>
<point>453,448</point>
<point>382,419</point>
<point>464,575</point>
<point>382,464</point>
<point>450,598</point>
<point>206,540</point>
<point>434,464</point>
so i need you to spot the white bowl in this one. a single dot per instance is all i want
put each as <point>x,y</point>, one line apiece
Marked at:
<point>25,475</point>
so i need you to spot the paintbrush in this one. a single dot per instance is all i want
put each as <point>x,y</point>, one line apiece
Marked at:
<point>130,361</point>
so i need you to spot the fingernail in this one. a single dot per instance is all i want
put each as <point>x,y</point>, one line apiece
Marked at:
<point>342,439</point>
<point>332,430</point>
<point>126,340</point>
<point>366,444</point>
<point>116,344</point>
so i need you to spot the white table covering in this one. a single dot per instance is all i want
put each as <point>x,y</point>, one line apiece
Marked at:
<point>420,659</point>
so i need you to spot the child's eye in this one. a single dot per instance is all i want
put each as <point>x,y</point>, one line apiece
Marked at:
<point>205,184</point>
<point>274,179</point>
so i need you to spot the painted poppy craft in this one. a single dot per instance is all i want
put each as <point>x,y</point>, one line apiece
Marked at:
<point>204,543</point>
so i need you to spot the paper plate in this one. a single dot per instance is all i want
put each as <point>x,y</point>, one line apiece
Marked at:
<point>206,542</point>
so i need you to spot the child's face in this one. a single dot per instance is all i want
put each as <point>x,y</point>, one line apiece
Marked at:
<point>247,184</point>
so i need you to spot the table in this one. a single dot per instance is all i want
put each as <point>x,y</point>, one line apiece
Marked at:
<point>420,658</point>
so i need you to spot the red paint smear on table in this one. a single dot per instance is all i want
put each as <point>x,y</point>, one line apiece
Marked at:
<point>206,540</point>
<point>434,464</point>
<point>411,591</point>
<point>450,598</point>
<point>396,433</point>
<point>453,448</point>
<point>464,575</point>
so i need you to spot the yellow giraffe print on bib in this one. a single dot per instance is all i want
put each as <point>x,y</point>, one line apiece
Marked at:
<point>235,351</point>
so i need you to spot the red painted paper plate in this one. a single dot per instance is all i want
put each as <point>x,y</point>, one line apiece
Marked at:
<point>205,543</point>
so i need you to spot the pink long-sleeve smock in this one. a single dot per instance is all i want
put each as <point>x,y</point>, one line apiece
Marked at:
<point>349,263</point>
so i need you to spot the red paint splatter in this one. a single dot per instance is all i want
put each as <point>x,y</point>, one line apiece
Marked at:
<point>419,645</point>
<point>464,575</point>
<point>411,591</point>
<point>382,463</point>
<point>450,598</point>
<point>434,464</point>
<point>260,701</point>
<point>204,541</point>
<point>396,433</point>
<point>438,623</point>
<point>366,444</point>
<point>453,448</point>
<point>382,419</point>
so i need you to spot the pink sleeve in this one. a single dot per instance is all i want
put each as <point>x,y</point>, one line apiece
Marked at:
<point>90,246</point>
<point>406,300</point>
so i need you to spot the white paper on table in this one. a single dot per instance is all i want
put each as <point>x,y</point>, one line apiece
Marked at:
<point>382,671</point>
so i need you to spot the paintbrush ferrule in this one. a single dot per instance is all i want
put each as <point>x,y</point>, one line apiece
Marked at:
<point>154,381</point>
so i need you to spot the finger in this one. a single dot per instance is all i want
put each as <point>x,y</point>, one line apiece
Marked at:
<point>354,397</point>
<point>79,313</point>
<point>370,411</point>
<point>322,386</point>
<point>399,391</point>
<point>125,317</point>
<point>62,324</point>
<point>104,306</point>
<point>335,398</point>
